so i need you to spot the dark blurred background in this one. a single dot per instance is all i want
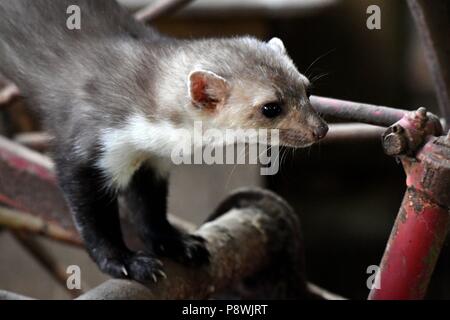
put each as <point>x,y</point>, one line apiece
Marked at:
<point>348,193</point>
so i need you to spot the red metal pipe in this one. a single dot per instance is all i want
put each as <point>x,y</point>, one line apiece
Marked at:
<point>357,112</point>
<point>421,225</point>
<point>412,250</point>
<point>28,184</point>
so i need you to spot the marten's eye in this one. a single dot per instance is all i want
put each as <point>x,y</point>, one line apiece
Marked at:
<point>271,110</point>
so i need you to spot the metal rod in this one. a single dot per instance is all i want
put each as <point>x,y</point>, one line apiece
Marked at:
<point>432,19</point>
<point>349,132</point>
<point>357,112</point>
<point>159,8</point>
<point>21,221</point>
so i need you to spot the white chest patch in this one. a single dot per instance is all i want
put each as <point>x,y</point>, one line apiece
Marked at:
<point>139,141</point>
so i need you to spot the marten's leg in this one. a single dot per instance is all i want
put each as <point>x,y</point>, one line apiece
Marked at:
<point>146,197</point>
<point>96,215</point>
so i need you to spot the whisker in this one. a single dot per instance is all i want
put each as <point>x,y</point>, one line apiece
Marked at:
<point>317,59</point>
<point>244,150</point>
<point>318,77</point>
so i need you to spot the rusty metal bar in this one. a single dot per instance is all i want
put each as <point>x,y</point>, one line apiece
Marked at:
<point>412,250</point>
<point>423,220</point>
<point>28,184</point>
<point>363,112</point>
<point>432,19</point>
<point>357,112</point>
<point>159,8</point>
<point>22,221</point>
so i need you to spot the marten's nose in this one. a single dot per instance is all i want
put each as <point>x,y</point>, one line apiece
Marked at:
<point>320,131</point>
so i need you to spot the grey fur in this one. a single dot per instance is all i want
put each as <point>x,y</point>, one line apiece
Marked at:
<point>86,80</point>
<point>80,80</point>
<point>112,94</point>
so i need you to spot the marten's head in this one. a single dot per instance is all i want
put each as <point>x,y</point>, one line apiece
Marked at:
<point>247,83</point>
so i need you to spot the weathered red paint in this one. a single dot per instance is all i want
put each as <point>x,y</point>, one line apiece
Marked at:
<point>28,183</point>
<point>355,111</point>
<point>421,225</point>
<point>22,164</point>
<point>413,249</point>
<point>367,113</point>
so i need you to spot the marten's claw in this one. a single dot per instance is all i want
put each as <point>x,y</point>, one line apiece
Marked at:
<point>136,266</point>
<point>143,267</point>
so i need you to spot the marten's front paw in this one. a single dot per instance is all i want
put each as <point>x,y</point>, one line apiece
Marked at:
<point>185,248</point>
<point>136,266</point>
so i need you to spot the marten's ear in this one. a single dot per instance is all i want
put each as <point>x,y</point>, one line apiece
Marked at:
<point>277,45</point>
<point>207,89</point>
